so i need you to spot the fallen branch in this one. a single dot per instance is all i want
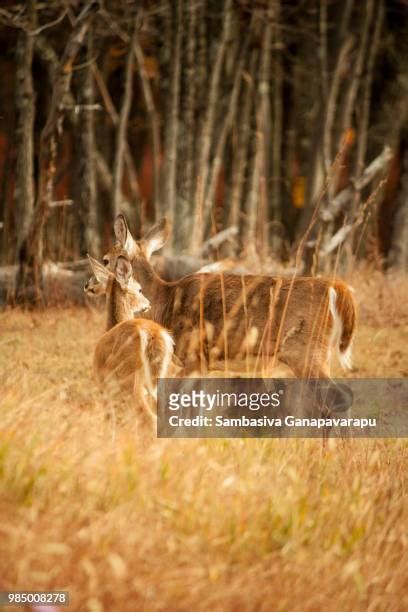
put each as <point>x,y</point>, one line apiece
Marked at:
<point>340,201</point>
<point>215,241</point>
<point>337,239</point>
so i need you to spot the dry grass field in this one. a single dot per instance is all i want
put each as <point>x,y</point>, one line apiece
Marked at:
<point>220,525</point>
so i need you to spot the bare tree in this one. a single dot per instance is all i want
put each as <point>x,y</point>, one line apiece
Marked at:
<point>208,127</point>
<point>121,131</point>
<point>24,135</point>
<point>183,223</point>
<point>243,137</point>
<point>228,120</point>
<point>399,249</point>
<point>85,175</point>
<point>172,124</point>
<point>29,281</point>
<point>153,119</point>
<point>277,101</point>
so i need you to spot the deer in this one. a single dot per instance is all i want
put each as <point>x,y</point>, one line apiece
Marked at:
<point>300,321</point>
<point>133,352</point>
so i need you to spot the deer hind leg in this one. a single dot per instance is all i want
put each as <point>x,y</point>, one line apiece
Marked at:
<point>144,402</point>
<point>193,352</point>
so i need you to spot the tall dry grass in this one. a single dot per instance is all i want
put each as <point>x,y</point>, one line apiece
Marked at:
<point>221,525</point>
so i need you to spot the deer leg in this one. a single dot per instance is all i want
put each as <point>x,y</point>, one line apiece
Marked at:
<point>143,399</point>
<point>315,369</point>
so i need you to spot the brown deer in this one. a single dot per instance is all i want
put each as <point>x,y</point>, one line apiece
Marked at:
<point>221,316</point>
<point>133,353</point>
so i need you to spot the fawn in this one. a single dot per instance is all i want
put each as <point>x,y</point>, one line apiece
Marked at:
<point>132,353</point>
<point>300,321</point>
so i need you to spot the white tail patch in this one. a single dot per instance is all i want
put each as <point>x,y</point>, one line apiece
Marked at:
<point>169,348</point>
<point>144,339</point>
<point>345,356</point>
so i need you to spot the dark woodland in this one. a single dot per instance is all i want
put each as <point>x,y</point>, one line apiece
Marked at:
<point>283,123</point>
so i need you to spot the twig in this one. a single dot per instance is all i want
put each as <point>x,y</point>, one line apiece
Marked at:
<point>50,24</point>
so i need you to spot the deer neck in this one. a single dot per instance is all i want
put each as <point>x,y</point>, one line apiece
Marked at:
<point>117,309</point>
<point>153,287</point>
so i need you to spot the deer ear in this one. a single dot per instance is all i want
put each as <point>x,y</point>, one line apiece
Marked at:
<point>123,235</point>
<point>123,271</point>
<point>94,287</point>
<point>101,273</point>
<point>156,237</point>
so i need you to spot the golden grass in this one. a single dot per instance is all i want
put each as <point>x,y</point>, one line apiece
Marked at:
<point>220,525</point>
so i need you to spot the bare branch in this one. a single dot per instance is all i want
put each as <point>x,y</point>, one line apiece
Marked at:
<point>215,241</point>
<point>345,196</point>
<point>46,26</point>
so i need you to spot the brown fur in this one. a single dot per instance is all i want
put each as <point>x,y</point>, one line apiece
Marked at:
<point>225,316</point>
<point>346,307</point>
<point>132,353</point>
<point>119,358</point>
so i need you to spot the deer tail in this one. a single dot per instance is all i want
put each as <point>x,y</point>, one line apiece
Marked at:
<point>343,309</point>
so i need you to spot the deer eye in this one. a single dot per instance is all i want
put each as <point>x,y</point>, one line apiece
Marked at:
<point>105,261</point>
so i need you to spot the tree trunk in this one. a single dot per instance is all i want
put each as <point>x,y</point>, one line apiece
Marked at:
<point>208,129</point>
<point>366,94</point>
<point>85,181</point>
<point>226,127</point>
<point>169,193</point>
<point>242,143</point>
<point>154,123</point>
<point>252,210</point>
<point>358,69</point>
<point>277,83</point>
<point>121,131</point>
<point>398,257</point>
<point>24,134</point>
<point>183,222</point>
